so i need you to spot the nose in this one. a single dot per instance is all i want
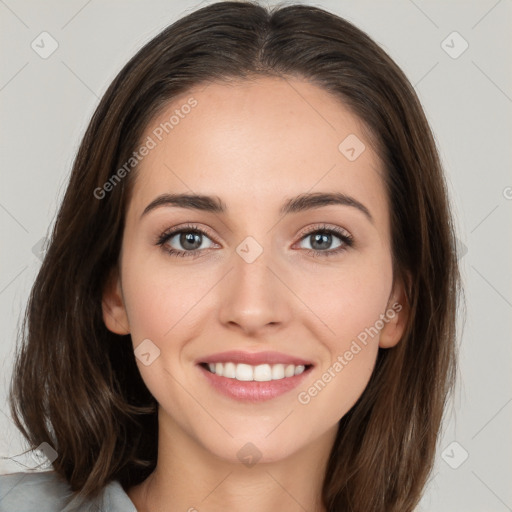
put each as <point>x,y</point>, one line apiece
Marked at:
<point>254,299</point>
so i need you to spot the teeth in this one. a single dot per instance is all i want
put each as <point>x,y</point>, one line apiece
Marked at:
<point>229,370</point>
<point>289,371</point>
<point>277,371</point>
<point>259,373</point>
<point>243,372</point>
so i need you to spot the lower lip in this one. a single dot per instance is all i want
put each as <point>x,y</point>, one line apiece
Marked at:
<point>253,391</point>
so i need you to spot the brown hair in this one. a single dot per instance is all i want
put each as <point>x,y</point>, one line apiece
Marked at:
<point>76,385</point>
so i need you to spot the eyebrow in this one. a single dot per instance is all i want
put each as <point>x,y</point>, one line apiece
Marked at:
<point>300,203</point>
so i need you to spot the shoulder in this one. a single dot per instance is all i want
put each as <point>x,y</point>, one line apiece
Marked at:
<point>48,492</point>
<point>35,491</point>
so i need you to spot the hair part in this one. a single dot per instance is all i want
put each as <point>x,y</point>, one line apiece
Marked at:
<point>76,385</point>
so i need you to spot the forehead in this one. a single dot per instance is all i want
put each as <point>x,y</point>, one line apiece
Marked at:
<point>257,140</point>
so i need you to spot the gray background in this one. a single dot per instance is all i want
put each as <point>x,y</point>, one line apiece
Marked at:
<point>46,105</point>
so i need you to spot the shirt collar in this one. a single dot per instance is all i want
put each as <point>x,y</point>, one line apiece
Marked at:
<point>112,498</point>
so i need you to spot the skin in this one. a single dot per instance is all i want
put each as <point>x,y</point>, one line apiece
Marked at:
<point>253,144</point>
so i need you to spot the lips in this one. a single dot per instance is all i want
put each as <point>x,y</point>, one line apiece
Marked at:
<point>253,377</point>
<point>252,391</point>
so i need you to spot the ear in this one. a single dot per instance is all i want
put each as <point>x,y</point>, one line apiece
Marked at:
<point>114,311</point>
<point>396,316</point>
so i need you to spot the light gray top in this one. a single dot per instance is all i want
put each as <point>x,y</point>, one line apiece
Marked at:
<point>47,492</point>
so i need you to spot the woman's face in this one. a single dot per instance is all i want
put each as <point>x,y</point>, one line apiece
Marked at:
<point>265,265</point>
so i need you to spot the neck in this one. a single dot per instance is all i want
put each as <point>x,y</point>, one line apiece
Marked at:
<point>190,478</point>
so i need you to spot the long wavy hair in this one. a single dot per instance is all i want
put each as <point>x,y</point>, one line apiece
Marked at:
<point>76,385</point>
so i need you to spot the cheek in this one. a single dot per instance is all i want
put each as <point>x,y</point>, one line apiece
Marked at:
<point>349,304</point>
<point>336,387</point>
<point>342,378</point>
<point>347,300</point>
<point>162,304</point>
<point>158,297</point>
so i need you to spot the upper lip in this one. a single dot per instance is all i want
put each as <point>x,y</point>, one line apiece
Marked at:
<point>254,358</point>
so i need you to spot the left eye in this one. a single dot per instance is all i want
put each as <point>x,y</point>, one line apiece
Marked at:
<point>323,240</point>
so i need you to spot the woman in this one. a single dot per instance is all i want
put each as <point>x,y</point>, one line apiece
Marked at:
<point>250,293</point>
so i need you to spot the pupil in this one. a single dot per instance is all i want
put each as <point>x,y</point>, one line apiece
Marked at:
<point>320,238</point>
<point>190,238</point>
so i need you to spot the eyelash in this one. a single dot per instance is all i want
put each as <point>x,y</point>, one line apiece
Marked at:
<point>347,240</point>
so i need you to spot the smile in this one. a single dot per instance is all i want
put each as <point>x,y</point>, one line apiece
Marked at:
<point>260,373</point>
<point>253,383</point>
